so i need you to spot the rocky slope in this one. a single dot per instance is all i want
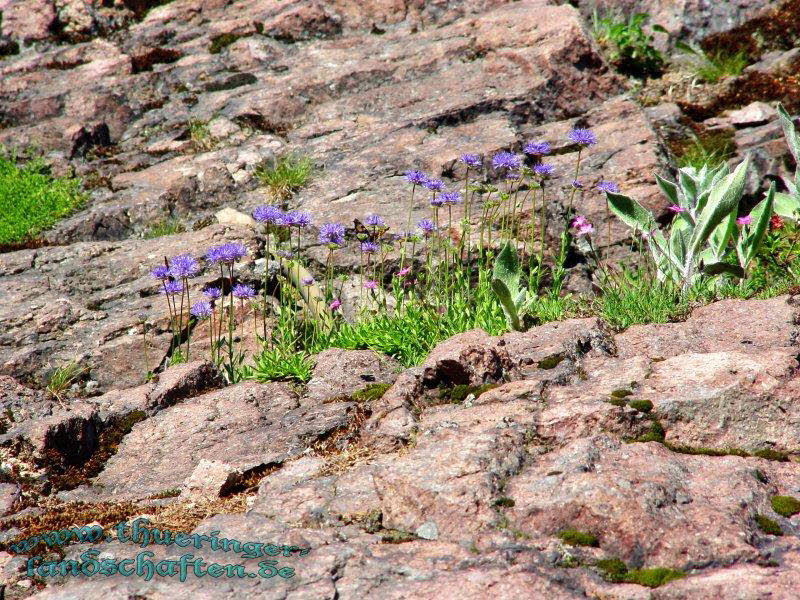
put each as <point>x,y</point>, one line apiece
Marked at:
<point>667,443</point>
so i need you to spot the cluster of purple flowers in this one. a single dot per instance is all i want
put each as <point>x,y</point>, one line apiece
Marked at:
<point>273,215</point>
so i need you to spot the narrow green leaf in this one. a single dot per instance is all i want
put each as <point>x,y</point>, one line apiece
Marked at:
<point>723,199</point>
<point>669,188</point>
<point>787,206</point>
<point>630,212</point>
<point>723,233</point>
<point>660,29</point>
<point>790,132</point>
<point>761,215</point>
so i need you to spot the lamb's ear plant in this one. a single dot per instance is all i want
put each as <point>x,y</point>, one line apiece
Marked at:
<point>788,205</point>
<point>705,203</point>
<point>506,276</point>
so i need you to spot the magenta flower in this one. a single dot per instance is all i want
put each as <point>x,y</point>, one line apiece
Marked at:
<point>404,271</point>
<point>371,284</point>
<point>676,208</point>
<point>335,305</point>
<point>747,220</point>
<point>582,226</point>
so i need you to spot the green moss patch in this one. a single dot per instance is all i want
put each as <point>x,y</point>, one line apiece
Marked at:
<point>786,506</point>
<point>621,393</point>
<point>621,402</point>
<point>504,502</point>
<point>574,537</point>
<point>644,406</point>
<point>768,526</point>
<point>550,362</point>
<point>374,391</point>
<point>615,571</point>
<point>458,393</point>
<point>31,200</point>
<point>222,41</point>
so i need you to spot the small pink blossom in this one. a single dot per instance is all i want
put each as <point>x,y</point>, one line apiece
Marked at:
<point>744,220</point>
<point>404,271</point>
<point>335,304</point>
<point>579,221</point>
<point>676,208</point>
<point>582,225</point>
<point>371,284</point>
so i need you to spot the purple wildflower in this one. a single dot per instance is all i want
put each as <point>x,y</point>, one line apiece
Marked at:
<point>331,234</point>
<point>213,293</point>
<point>226,253</point>
<point>512,175</point>
<point>471,160</point>
<point>416,177</point>
<point>608,186</point>
<point>544,170</point>
<point>427,226</point>
<point>404,271</point>
<point>747,220</point>
<point>369,247</point>
<point>582,225</point>
<point>335,304</point>
<point>243,291</point>
<point>201,310</point>
<point>451,198</point>
<point>172,287</point>
<point>577,184</point>
<point>505,160</point>
<point>434,185</point>
<point>307,281</point>
<point>161,272</point>
<point>267,214</point>
<point>583,137</point>
<point>183,265</point>
<point>537,148</point>
<point>371,284</point>
<point>296,218</point>
<point>676,208</point>
<point>373,221</point>
<point>437,201</point>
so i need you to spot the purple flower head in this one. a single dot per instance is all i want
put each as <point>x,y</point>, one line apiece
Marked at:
<point>583,137</point>
<point>608,186</point>
<point>226,253</point>
<point>172,287</point>
<point>335,305</point>
<point>416,177</point>
<point>296,218</point>
<point>676,208</point>
<point>369,247</point>
<point>437,201</point>
<point>267,214</point>
<point>426,226</point>
<point>577,184</point>
<point>213,293</point>
<point>371,284</point>
<point>544,170</point>
<point>183,265</point>
<point>404,271</point>
<point>434,185</point>
<point>307,281</point>
<point>451,198</point>
<point>243,291</point>
<point>579,221</point>
<point>471,160</point>
<point>331,234</point>
<point>374,221</point>
<point>505,160</point>
<point>285,253</point>
<point>201,310</point>
<point>161,272</point>
<point>537,148</point>
<point>747,220</point>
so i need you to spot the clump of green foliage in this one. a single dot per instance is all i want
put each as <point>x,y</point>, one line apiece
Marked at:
<point>630,49</point>
<point>200,135</point>
<point>613,569</point>
<point>573,537</point>
<point>505,502</point>
<point>374,391</point>
<point>714,66</point>
<point>786,506</point>
<point>637,299</point>
<point>712,149</point>
<point>63,377</point>
<point>32,200</point>
<point>275,364</point>
<point>616,571</point>
<point>290,173</point>
<point>656,433</point>
<point>768,526</point>
<point>644,406</point>
<point>458,393</point>
<point>165,227</point>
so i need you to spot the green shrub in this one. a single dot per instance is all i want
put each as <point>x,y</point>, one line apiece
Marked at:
<point>629,48</point>
<point>786,506</point>
<point>31,200</point>
<point>573,537</point>
<point>289,174</point>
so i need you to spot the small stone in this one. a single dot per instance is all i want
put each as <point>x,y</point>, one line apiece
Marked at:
<point>428,531</point>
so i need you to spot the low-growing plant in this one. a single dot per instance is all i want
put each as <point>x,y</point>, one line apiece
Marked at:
<point>630,49</point>
<point>574,537</point>
<point>713,66</point>
<point>200,135</point>
<point>787,205</point>
<point>32,200</point>
<point>768,526</point>
<point>166,227</point>
<point>278,364</point>
<point>290,173</point>
<point>709,149</point>
<point>63,377</point>
<point>785,506</point>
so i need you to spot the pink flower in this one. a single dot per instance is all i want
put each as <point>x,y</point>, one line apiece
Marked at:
<point>582,225</point>
<point>579,221</point>
<point>744,220</point>
<point>371,284</point>
<point>776,222</point>
<point>404,271</point>
<point>676,208</point>
<point>335,304</point>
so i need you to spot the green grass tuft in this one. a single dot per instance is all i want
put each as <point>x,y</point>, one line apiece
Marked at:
<point>505,502</point>
<point>279,365</point>
<point>458,393</point>
<point>768,526</point>
<point>636,298</point>
<point>31,200</point>
<point>222,41</point>
<point>63,377</point>
<point>290,173</point>
<point>644,406</point>
<point>786,506</point>
<point>573,537</point>
<point>613,569</point>
<point>714,67</point>
<point>162,228</point>
<point>710,149</point>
